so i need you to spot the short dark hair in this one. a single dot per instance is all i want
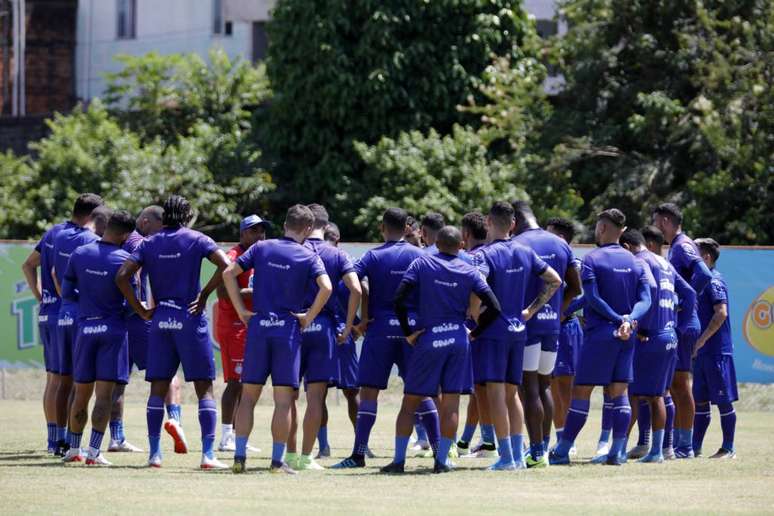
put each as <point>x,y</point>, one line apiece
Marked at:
<point>100,216</point>
<point>671,211</point>
<point>320,215</point>
<point>709,246</point>
<point>177,211</point>
<point>653,234</point>
<point>475,222</point>
<point>85,204</point>
<point>120,222</point>
<point>449,237</point>
<point>412,222</point>
<point>614,216</point>
<point>433,221</point>
<point>501,213</point>
<point>564,227</point>
<point>521,211</point>
<point>632,237</point>
<point>395,219</point>
<point>332,233</point>
<point>299,217</point>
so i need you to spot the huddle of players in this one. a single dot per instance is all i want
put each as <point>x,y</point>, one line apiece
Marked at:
<point>489,321</point>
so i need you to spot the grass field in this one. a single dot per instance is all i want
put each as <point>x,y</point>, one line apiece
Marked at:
<point>33,482</point>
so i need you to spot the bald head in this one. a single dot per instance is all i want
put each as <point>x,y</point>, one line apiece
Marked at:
<point>150,220</point>
<point>449,240</point>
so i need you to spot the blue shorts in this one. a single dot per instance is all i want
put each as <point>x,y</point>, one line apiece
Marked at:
<point>685,343</point>
<point>653,364</point>
<point>498,360</point>
<point>101,351</point>
<point>138,330</point>
<point>438,363</point>
<point>605,359</point>
<point>47,324</point>
<point>568,351</point>
<point>384,346</point>
<point>714,379</point>
<point>273,348</point>
<point>318,352</point>
<point>346,355</point>
<point>67,327</point>
<point>177,337</point>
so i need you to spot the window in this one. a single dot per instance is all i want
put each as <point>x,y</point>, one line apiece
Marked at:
<point>260,41</point>
<point>217,16</point>
<point>546,28</point>
<point>229,29</point>
<point>127,19</point>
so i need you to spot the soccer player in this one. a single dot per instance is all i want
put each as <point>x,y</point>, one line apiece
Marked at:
<point>684,256</point>
<point>543,330</point>
<point>48,312</point>
<point>413,233</point>
<point>714,372</point>
<point>172,258</point>
<point>319,364</point>
<point>655,350</point>
<point>77,232</point>
<point>570,338</point>
<point>445,285</point>
<point>431,224</point>
<point>231,333</point>
<point>283,272</point>
<point>616,288</point>
<point>499,352</point>
<point>101,354</point>
<point>384,345</point>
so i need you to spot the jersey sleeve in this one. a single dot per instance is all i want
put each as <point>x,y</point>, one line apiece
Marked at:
<point>207,246</point>
<point>538,265</point>
<point>361,266</point>
<point>69,274</point>
<point>42,242</point>
<point>412,273</point>
<point>480,286</point>
<point>138,255</point>
<point>245,260</point>
<point>345,263</point>
<point>587,269</point>
<point>717,292</point>
<point>317,267</point>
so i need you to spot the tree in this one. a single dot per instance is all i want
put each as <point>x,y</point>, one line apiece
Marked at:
<point>359,71</point>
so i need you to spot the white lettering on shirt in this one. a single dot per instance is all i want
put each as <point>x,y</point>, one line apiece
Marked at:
<point>443,343</point>
<point>93,330</point>
<point>96,273</point>
<point>452,284</point>
<point>171,324</point>
<point>445,327</point>
<point>170,256</point>
<point>278,266</point>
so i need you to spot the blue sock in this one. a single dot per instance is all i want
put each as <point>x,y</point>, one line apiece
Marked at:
<point>658,442</point>
<point>546,442</point>
<point>669,426</point>
<point>643,423</point>
<point>117,430</point>
<point>576,418</point>
<point>95,441</point>
<point>728,425</point>
<point>208,420</point>
<point>420,429</point>
<point>505,448</point>
<point>701,421</point>
<point>241,447</point>
<point>401,443</point>
<point>74,440</point>
<point>277,452</point>
<point>443,450</point>
<point>488,434</point>
<point>468,433</point>
<point>430,421</point>
<point>559,432</point>
<point>366,417</point>
<point>517,447</point>
<point>322,437</point>
<point>154,414</point>
<point>174,411</point>
<point>51,434</point>
<point>622,414</point>
<point>61,433</point>
<point>607,419</point>
<point>536,450</point>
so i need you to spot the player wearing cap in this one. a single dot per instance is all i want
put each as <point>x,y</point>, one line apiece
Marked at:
<point>230,331</point>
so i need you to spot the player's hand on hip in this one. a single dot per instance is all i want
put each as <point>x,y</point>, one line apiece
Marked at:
<point>246,316</point>
<point>303,319</point>
<point>412,339</point>
<point>342,337</point>
<point>526,315</point>
<point>198,305</point>
<point>146,314</point>
<point>361,329</point>
<point>625,330</point>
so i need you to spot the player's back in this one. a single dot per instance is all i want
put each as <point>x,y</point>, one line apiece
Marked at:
<point>716,292</point>
<point>70,238</point>
<point>283,273</point>
<point>558,255</point>
<point>384,266</point>
<point>172,259</point>
<point>444,283</point>
<point>50,297</point>
<point>131,244</point>
<point>662,314</point>
<point>337,263</point>
<point>616,272</point>
<point>93,267</point>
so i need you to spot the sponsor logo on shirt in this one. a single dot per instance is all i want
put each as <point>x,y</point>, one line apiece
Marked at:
<point>96,273</point>
<point>672,344</point>
<point>547,315</point>
<point>171,324</point>
<point>624,269</point>
<point>517,269</point>
<point>313,328</point>
<point>669,304</point>
<point>48,299</point>
<point>65,321</point>
<point>272,322</point>
<point>452,284</point>
<point>94,330</point>
<point>278,266</point>
<point>445,327</point>
<point>444,342</point>
<point>548,256</point>
<point>666,284</point>
<point>395,322</point>
<point>170,256</point>
<point>42,318</point>
<point>398,272</point>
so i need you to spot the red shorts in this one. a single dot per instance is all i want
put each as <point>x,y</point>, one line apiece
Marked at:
<point>231,336</point>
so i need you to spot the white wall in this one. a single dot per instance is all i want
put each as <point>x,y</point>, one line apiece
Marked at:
<point>164,26</point>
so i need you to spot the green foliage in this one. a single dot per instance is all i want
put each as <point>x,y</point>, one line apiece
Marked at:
<point>357,71</point>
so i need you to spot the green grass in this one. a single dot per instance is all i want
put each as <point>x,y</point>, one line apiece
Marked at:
<point>33,482</point>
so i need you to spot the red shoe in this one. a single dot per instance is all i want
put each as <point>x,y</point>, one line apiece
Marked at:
<point>174,429</point>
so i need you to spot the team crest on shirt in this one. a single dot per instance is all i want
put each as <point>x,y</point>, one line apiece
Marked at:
<point>171,324</point>
<point>516,326</point>
<point>672,344</point>
<point>65,321</point>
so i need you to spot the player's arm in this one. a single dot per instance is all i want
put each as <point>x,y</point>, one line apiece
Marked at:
<point>575,305</point>
<point>220,260</point>
<point>599,305</point>
<point>551,282</point>
<point>57,286</point>
<point>30,270</point>
<point>641,307</point>
<point>325,289</point>
<point>687,298</point>
<point>355,293</point>
<point>493,309</point>
<point>719,316</point>
<point>123,280</point>
<point>231,286</point>
<point>572,288</point>
<point>70,282</point>
<point>405,288</point>
<point>361,328</point>
<point>701,276</point>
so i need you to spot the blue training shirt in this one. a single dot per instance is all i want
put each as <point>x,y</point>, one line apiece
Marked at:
<point>70,238</point>
<point>385,266</point>
<point>337,263</point>
<point>716,293</point>
<point>49,297</point>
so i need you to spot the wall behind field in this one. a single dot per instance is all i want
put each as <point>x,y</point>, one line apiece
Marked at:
<point>749,273</point>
